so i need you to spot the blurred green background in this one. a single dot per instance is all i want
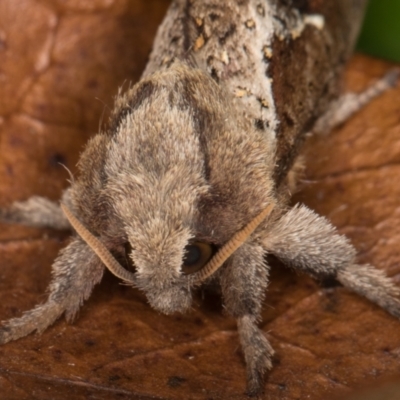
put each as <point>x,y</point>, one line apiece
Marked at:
<point>380,35</point>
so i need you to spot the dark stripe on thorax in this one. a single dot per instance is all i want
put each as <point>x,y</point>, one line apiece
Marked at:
<point>144,91</point>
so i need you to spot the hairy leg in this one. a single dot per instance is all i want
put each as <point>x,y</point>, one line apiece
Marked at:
<point>295,174</point>
<point>37,211</point>
<point>243,284</point>
<point>373,284</point>
<point>257,353</point>
<point>76,270</point>
<point>348,104</point>
<point>308,242</point>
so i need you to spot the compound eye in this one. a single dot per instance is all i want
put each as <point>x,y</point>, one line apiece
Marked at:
<point>197,254</point>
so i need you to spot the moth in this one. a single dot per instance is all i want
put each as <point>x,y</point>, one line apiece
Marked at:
<point>192,178</point>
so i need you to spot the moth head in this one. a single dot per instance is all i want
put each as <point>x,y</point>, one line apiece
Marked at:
<point>166,291</point>
<point>180,173</point>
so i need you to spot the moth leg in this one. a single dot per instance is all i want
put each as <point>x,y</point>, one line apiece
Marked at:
<point>373,284</point>
<point>76,270</point>
<point>295,174</point>
<point>37,212</point>
<point>257,353</point>
<point>348,104</point>
<point>308,242</point>
<point>243,284</point>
